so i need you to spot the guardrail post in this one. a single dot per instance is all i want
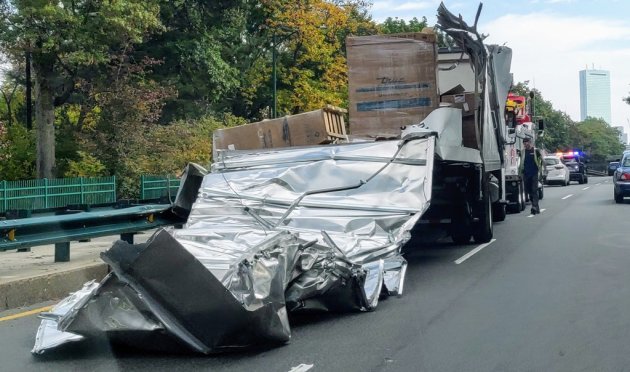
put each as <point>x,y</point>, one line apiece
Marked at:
<point>62,252</point>
<point>45,193</point>
<point>127,237</point>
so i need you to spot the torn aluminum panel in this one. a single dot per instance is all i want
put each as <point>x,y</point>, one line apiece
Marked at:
<point>313,228</point>
<point>491,67</point>
<point>48,334</point>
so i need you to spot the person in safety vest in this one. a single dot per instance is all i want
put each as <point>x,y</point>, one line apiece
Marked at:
<point>531,169</point>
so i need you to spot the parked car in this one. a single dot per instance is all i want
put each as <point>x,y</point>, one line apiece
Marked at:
<point>612,167</point>
<point>557,172</point>
<point>621,179</point>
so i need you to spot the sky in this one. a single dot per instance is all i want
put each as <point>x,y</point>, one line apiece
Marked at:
<point>551,41</point>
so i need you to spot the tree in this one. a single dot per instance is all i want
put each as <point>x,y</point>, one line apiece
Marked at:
<point>597,138</point>
<point>69,39</point>
<point>204,48</point>
<point>396,25</point>
<point>310,37</point>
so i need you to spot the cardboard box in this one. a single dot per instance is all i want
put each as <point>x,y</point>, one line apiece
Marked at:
<point>310,128</point>
<point>392,81</point>
<point>470,133</point>
<point>465,102</point>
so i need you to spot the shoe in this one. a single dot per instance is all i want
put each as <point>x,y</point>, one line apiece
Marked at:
<point>535,211</point>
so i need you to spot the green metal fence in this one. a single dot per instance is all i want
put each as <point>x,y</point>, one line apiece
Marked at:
<point>56,193</point>
<point>156,187</point>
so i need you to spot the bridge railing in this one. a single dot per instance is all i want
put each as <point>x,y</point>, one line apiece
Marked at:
<point>42,194</point>
<point>157,187</point>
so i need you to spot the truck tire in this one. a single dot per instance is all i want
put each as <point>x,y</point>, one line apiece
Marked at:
<point>483,230</point>
<point>523,197</point>
<point>499,212</point>
<point>461,225</point>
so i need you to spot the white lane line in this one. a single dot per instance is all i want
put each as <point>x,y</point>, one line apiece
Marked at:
<point>567,197</point>
<point>586,188</point>
<point>532,215</point>
<point>301,368</point>
<point>471,253</point>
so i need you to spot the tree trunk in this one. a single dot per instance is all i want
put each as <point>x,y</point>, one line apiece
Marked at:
<point>44,120</point>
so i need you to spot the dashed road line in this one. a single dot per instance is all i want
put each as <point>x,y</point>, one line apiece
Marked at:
<point>567,197</point>
<point>532,215</point>
<point>586,188</point>
<point>302,368</point>
<point>473,252</point>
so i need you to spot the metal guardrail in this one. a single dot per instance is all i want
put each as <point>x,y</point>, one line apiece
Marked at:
<point>157,187</point>
<point>41,194</point>
<point>592,172</point>
<point>62,229</point>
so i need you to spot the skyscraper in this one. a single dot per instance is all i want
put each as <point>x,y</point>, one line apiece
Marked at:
<point>595,94</point>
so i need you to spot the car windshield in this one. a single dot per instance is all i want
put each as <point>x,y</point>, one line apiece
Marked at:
<point>551,161</point>
<point>626,162</point>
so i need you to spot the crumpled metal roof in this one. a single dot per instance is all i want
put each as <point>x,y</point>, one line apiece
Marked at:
<point>314,228</point>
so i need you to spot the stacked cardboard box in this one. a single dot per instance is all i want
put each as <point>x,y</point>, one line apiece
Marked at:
<point>310,128</point>
<point>392,82</point>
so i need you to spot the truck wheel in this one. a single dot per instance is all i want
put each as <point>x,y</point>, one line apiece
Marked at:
<point>499,212</point>
<point>461,225</point>
<point>483,230</point>
<point>522,196</point>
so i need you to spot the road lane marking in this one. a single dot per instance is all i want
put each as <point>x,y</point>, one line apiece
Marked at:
<point>301,368</point>
<point>567,197</point>
<point>26,313</point>
<point>532,215</point>
<point>471,253</point>
<point>586,188</point>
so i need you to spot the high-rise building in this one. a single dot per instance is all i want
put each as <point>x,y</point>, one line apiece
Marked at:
<point>595,94</point>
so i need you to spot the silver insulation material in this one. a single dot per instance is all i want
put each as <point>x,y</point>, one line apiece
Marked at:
<point>270,232</point>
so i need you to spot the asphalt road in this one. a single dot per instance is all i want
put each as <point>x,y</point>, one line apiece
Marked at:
<point>552,293</point>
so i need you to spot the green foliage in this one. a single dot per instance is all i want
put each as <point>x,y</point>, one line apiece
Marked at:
<point>69,41</point>
<point>86,166</point>
<point>17,153</point>
<point>397,25</point>
<point>597,138</point>
<point>310,38</point>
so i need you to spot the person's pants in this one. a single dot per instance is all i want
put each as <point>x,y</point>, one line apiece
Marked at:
<point>531,188</point>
